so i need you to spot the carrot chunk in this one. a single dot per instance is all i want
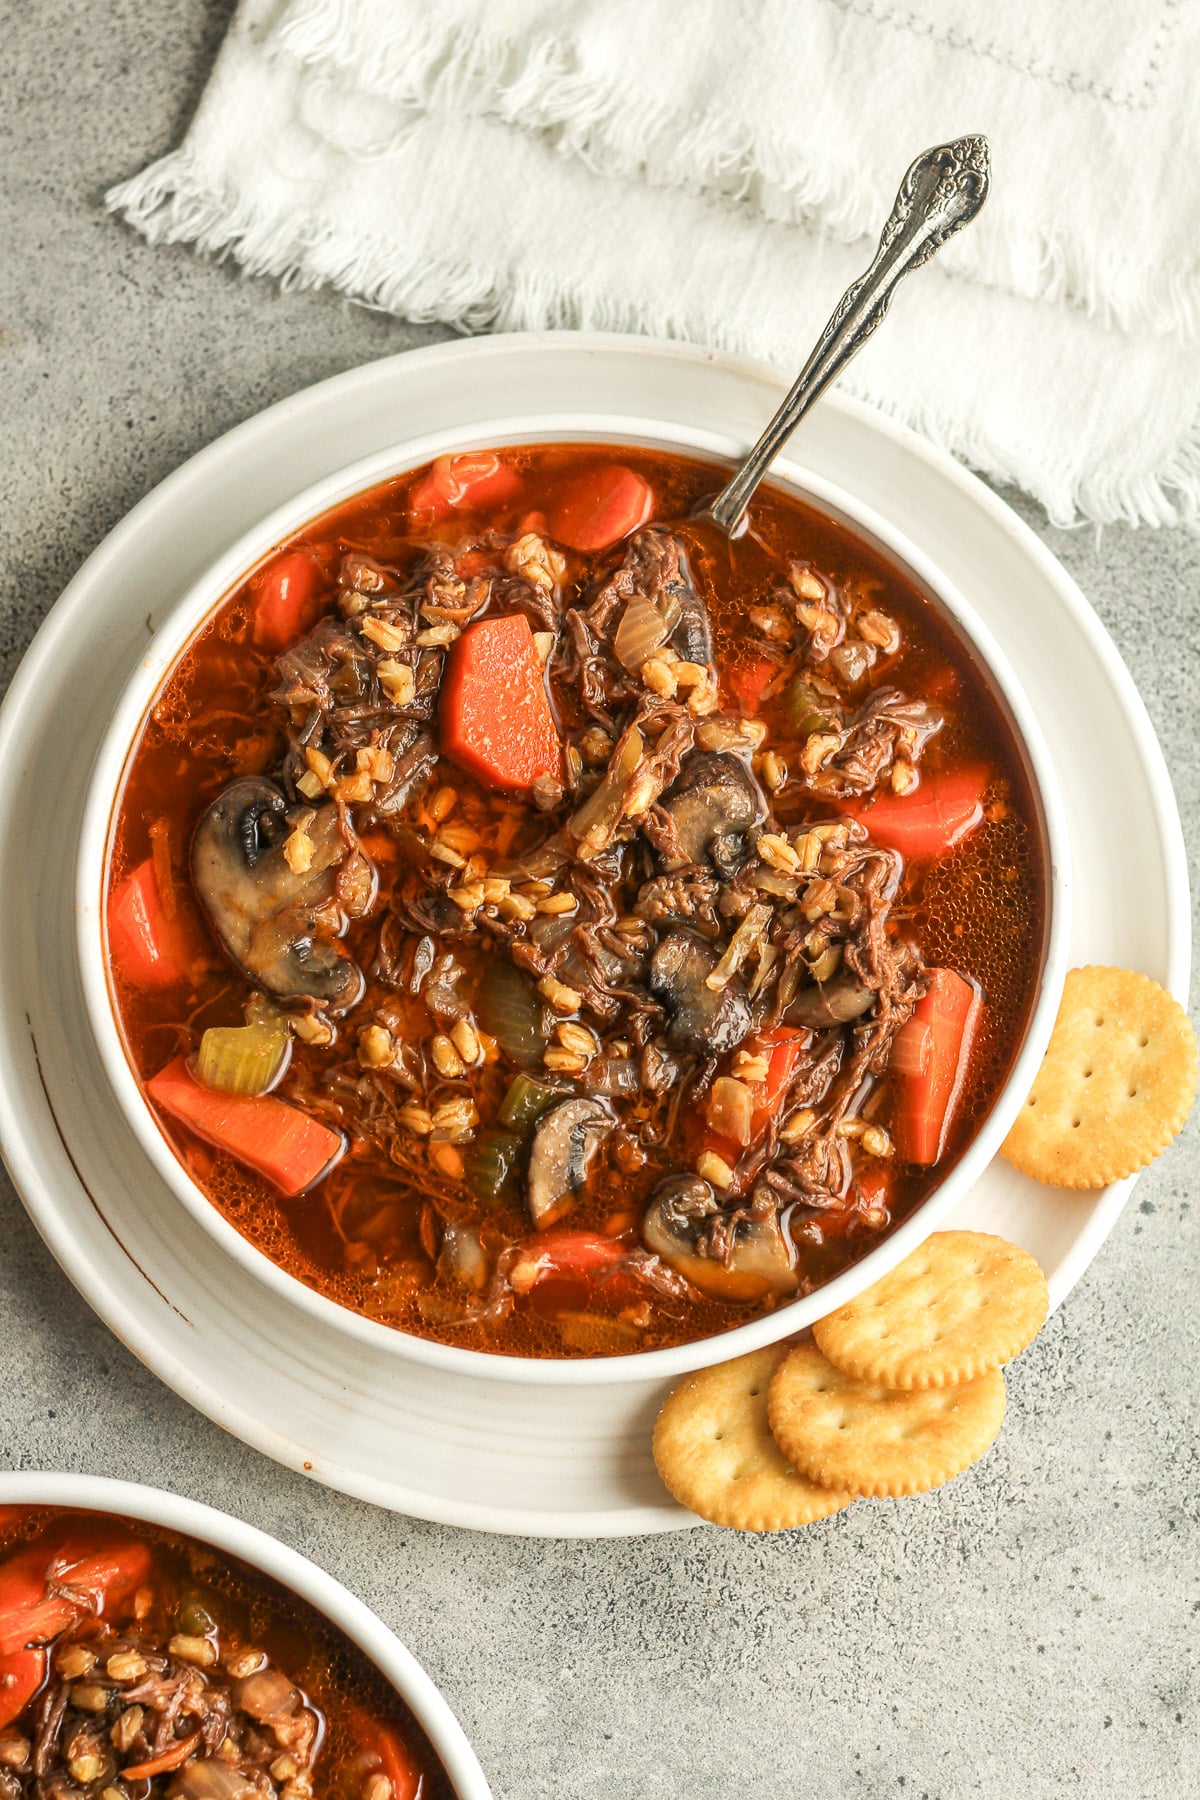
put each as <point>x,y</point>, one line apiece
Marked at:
<point>781,1045</point>
<point>930,821</point>
<point>287,600</point>
<point>149,949</point>
<point>565,1256</point>
<point>925,1101</point>
<point>21,1675</point>
<point>466,483</point>
<point>747,679</point>
<point>495,714</point>
<point>601,506</point>
<point>100,1576</point>
<point>287,1146</point>
<point>395,1759</point>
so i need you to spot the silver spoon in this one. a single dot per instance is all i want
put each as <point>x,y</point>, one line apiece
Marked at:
<point>942,192</point>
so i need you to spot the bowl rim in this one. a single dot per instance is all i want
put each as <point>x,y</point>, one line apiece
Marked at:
<point>185,616</point>
<point>225,1531</point>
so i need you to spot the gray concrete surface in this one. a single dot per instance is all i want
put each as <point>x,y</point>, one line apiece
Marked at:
<point>1031,1630</point>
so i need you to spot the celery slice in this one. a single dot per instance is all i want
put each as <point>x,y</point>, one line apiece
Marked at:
<point>243,1059</point>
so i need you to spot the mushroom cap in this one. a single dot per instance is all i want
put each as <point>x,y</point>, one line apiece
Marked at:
<point>564,1144</point>
<point>705,1020</point>
<point>713,805</point>
<point>763,1260</point>
<point>273,922</point>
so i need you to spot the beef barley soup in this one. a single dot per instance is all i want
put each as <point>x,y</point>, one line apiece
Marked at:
<point>136,1663</point>
<point>546,926</point>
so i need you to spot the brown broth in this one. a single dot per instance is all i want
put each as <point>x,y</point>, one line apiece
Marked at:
<point>249,1608</point>
<point>982,907</point>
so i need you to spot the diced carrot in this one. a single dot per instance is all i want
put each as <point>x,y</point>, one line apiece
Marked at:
<point>782,1046</point>
<point>600,506</point>
<point>469,482</point>
<point>747,679</point>
<point>148,949</point>
<point>925,1102</point>
<point>396,1760</point>
<point>287,600</point>
<point>562,1253</point>
<point>874,1185</point>
<point>278,1140</point>
<point>102,1576</point>
<point>495,714</point>
<point>932,819</point>
<point>167,1760</point>
<point>474,562</point>
<point>22,1591</point>
<point>21,1675</point>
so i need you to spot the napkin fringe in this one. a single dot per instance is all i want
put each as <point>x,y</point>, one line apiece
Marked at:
<point>170,202</point>
<point>420,59</point>
<point>428,63</point>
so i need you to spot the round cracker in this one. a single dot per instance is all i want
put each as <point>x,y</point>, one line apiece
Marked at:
<point>961,1304</point>
<point>1116,1084</point>
<point>861,1438</point>
<point>714,1450</point>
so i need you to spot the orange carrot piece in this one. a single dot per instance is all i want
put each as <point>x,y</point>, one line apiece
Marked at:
<point>287,600</point>
<point>601,506</point>
<point>21,1675</point>
<point>925,1102</point>
<point>469,482</point>
<point>781,1045</point>
<point>747,679</point>
<point>396,1761</point>
<point>929,821</point>
<point>101,1576</point>
<point>149,949</point>
<point>167,1760</point>
<point>495,714</point>
<point>287,1146</point>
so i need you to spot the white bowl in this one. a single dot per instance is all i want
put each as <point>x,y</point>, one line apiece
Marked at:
<point>191,612</point>
<point>96,1493</point>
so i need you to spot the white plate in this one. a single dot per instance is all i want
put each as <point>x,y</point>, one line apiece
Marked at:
<point>446,1447</point>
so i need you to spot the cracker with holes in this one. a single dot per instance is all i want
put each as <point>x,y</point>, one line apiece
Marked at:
<point>1116,1084</point>
<point>961,1304</point>
<point>861,1438</point>
<point>714,1450</point>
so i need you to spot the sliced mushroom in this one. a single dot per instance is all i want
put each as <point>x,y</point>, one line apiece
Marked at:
<point>713,805</point>
<point>278,926</point>
<point>564,1144</point>
<point>692,636</point>
<point>702,1019</point>
<point>578,956</point>
<point>834,1002</point>
<point>677,1226</point>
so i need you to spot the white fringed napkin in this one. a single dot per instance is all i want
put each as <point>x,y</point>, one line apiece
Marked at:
<point>719,172</point>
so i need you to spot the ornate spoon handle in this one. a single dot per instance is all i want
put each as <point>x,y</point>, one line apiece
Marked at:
<point>942,192</point>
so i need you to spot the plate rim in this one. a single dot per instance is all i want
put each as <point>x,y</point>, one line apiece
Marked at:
<point>35,1185</point>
